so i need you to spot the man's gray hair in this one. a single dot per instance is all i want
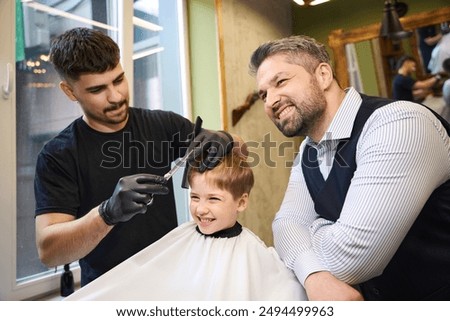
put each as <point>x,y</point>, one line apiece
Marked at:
<point>302,50</point>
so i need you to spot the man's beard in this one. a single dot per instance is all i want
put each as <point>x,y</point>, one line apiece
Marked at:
<point>102,118</point>
<point>115,107</point>
<point>306,114</point>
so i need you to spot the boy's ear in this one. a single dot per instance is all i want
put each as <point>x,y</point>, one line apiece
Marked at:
<point>243,202</point>
<point>65,87</point>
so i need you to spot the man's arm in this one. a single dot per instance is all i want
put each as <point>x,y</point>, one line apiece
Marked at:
<point>292,238</point>
<point>426,83</point>
<point>323,286</point>
<point>62,239</point>
<point>422,88</point>
<point>432,40</point>
<point>293,243</point>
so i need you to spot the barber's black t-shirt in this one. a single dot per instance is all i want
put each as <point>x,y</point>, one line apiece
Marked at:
<point>80,168</point>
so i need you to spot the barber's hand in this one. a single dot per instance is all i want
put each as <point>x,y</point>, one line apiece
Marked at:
<point>130,197</point>
<point>212,146</point>
<point>323,286</point>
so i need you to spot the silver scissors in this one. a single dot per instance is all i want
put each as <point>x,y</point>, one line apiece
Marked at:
<point>178,164</point>
<point>181,161</point>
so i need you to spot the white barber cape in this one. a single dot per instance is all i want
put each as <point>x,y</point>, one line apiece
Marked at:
<point>186,265</point>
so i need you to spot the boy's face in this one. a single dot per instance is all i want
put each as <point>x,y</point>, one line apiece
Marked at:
<point>212,208</point>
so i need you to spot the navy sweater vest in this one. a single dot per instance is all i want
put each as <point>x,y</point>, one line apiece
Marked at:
<point>420,269</point>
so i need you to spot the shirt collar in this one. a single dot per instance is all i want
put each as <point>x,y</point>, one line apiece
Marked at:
<point>342,124</point>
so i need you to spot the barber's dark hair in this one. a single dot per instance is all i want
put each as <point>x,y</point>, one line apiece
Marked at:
<point>446,65</point>
<point>83,50</point>
<point>302,50</point>
<point>402,60</point>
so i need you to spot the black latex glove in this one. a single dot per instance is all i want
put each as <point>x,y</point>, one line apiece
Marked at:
<point>211,146</point>
<point>130,197</point>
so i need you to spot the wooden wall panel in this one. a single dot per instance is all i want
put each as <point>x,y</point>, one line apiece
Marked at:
<point>243,25</point>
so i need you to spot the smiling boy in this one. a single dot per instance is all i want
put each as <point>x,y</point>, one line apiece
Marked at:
<point>210,258</point>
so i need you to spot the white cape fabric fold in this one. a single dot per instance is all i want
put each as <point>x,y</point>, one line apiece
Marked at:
<point>185,265</point>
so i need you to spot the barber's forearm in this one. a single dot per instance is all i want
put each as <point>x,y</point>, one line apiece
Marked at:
<point>63,242</point>
<point>425,84</point>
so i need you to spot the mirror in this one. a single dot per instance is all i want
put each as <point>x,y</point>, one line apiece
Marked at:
<point>378,56</point>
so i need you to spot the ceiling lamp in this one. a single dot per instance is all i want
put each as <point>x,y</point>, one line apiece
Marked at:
<point>309,3</point>
<point>390,25</point>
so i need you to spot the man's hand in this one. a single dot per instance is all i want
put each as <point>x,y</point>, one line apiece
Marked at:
<point>323,286</point>
<point>130,197</point>
<point>211,146</point>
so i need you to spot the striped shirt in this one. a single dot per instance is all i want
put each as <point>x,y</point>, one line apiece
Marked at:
<point>402,155</point>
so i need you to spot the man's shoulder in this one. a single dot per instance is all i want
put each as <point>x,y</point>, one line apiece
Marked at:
<point>155,115</point>
<point>404,110</point>
<point>400,78</point>
<point>63,141</point>
<point>152,112</point>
